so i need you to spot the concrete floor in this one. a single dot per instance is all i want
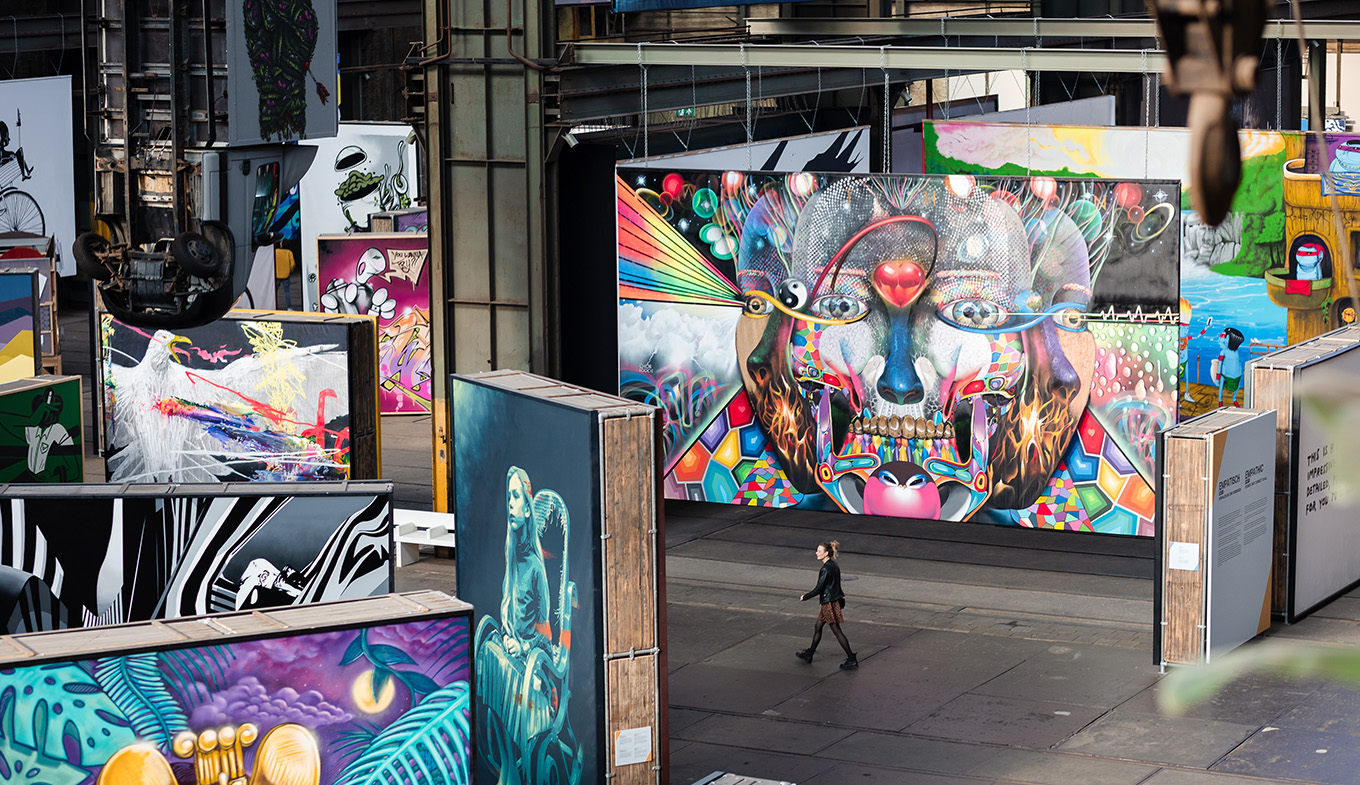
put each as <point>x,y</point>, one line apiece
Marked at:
<point>988,655</point>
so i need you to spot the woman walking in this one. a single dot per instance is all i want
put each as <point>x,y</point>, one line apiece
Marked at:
<point>828,590</point>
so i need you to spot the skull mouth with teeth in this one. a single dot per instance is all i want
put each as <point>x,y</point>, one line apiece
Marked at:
<point>915,324</point>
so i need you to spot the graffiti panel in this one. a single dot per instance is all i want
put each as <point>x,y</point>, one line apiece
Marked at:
<point>365,169</point>
<point>19,353</point>
<point>995,349</point>
<point>1310,282</point>
<point>1229,311</point>
<point>384,275</point>
<point>251,397</point>
<point>281,70</point>
<point>40,430</point>
<point>346,707</point>
<point>104,557</point>
<point>527,471</point>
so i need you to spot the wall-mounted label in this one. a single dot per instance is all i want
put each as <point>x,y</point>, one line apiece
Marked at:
<point>1183,556</point>
<point>632,746</point>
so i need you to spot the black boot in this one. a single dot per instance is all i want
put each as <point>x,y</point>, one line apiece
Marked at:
<point>805,655</point>
<point>851,662</point>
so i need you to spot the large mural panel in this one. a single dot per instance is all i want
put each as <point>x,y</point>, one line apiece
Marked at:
<point>37,173</point>
<point>19,348</point>
<point>366,168</point>
<point>1228,314</point>
<point>255,396</point>
<point>384,275</point>
<point>40,430</point>
<point>341,706</point>
<point>527,561</point>
<point>996,350</point>
<point>1314,281</point>
<point>282,70</point>
<point>95,555</point>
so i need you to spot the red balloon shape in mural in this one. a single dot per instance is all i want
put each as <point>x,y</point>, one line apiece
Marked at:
<point>1044,187</point>
<point>1128,194</point>
<point>672,184</point>
<point>899,283</point>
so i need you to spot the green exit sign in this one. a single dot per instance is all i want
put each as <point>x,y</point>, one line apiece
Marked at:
<point>684,112</point>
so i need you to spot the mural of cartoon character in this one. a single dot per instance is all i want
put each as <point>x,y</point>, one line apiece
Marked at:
<point>1230,364</point>
<point>373,191</point>
<point>521,666</point>
<point>40,434</point>
<point>1345,167</point>
<point>942,336</point>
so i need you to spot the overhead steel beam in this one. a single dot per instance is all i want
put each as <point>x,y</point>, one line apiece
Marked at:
<point>588,94</point>
<point>1019,27</point>
<point>956,59</point>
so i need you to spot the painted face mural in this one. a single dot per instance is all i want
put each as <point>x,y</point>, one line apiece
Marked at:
<point>923,347</point>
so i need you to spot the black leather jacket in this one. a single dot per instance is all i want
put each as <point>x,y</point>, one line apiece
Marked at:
<point>828,584</point>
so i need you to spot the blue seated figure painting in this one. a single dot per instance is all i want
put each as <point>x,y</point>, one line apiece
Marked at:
<point>522,658</point>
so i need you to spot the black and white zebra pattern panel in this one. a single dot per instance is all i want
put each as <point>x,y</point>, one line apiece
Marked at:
<point>68,561</point>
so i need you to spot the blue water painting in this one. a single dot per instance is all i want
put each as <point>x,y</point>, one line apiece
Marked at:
<point>1232,301</point>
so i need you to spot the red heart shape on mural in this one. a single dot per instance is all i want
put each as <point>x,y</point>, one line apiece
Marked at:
<point>899,283</point>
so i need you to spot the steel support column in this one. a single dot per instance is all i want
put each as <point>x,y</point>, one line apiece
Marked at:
<point>488,250</point>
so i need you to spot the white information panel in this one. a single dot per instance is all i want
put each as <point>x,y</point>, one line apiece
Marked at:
<point>1241,525</point>
<point>1325,549</point>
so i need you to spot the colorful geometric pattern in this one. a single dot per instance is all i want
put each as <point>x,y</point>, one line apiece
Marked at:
<point>1095,489</point>
<point>731,463</point>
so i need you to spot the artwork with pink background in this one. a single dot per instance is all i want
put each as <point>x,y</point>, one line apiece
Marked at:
<point>384,275</point>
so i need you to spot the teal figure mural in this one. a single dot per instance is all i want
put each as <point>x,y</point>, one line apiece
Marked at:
<point>522,658</point>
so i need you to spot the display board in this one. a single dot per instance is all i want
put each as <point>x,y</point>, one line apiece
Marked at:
<point>365,169</point>
<point>559,551</point>
<point>92,555</point>
<point>1319,547</point>
<point>970,349</point>
<point>845,151</point>
<point>346,693</point>
<point>414,220</point>
<point>1216,503</point>
<point>37,257</point>
<point>1230,308</point>
<point>41,433</point>
<point>1309,280</point>
<point>281,71</point>
<point>411,220</point>
<point>20,356</point>
<point>37,172</point>
<point>254,396</point>
<point>385,276</point>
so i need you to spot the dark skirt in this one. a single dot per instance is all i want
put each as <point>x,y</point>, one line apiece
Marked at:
<point>831,613</point>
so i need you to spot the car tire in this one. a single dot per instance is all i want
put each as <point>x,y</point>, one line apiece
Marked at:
<point>86,249</point>
<point>196,255</point>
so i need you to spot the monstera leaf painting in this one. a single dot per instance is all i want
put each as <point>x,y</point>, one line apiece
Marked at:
<point>427,744</point>
<point>281,40</point>
<point>46,704</point>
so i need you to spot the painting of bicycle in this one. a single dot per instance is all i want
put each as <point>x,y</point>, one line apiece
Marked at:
<point>37,194</point>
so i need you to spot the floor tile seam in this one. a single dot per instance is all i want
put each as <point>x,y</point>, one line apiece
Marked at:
<point>822,753</point>
<point>1000,564</point>
<point>927,617</point>
<point>747,587</point>
<point>820,525</point>
<point>1053,636</point>
<point>1057,574</point>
